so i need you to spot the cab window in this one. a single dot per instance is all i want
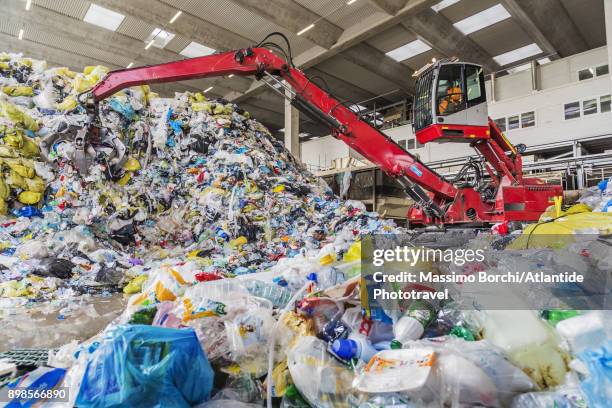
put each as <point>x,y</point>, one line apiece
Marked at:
<point>449,95</point>
<point>474,85</point>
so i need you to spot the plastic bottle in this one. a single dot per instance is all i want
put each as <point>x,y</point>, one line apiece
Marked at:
<point>555,316</point>
<point>355,346</point>
<point>411,325</point>
<point>293,399</point>
<point>540,400</point>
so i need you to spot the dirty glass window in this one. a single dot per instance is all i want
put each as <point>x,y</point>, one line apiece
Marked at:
<point>586,73</point>
<point>572,110</point>
<point>589,106</point>
<point>513,122</point>
<point>410,143</point>
<point>604,104</point>
<point>602,70</point>
<point>528,119</point>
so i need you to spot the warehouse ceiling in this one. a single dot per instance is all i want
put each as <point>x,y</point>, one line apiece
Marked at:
<point>365,51</point>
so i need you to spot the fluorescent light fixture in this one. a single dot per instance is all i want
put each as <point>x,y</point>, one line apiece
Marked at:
<point>195,49</point>
<point>518,54</point>
<point>160,37</point>
<point>28,5</point>
<point>230,76</point>
<point>103,17</point>
<point>543,61</point>
<point>303,30</point>
<point>349,2</point>
<point>281,130</point>
<point>20,36</point>
<point>149,44</point>
<point>409,50</point>
<point>443,4</point>
<point>482,19</point>
<point>358,108</point>
<point>130,65</point>
<point>177,15</point>
<point>523,67</point>
<point>208,89</point>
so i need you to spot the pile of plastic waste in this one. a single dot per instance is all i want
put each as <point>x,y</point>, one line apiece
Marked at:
<point>243,272</point>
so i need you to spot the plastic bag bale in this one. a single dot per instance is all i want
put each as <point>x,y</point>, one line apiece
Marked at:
<point>140,365</point>
<point>556,230</point>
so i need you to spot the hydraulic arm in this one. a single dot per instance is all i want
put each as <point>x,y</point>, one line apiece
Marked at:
<point>307,98</point>
<point>437,200</point>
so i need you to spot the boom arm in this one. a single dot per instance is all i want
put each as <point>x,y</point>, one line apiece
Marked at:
<point>308,98</point>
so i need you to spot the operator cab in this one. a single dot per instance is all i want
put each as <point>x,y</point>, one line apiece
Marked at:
<point>450,103</point>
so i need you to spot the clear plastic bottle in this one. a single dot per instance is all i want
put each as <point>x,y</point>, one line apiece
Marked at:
<point>412,324</point>
<point>355,346</point>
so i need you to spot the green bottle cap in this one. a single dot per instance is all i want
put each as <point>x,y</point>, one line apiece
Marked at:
<point>396,345</point>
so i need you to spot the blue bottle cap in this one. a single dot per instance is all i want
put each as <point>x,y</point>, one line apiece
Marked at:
<point>312,276</point>
<point>345,349</point>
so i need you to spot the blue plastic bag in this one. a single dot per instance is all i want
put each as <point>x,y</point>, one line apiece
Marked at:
<point>597,388</point>
<point>146,366</point>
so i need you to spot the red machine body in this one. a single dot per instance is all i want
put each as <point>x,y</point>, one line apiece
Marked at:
<point>437,200</point>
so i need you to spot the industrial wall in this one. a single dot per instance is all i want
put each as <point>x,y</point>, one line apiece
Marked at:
<point>530,116</point>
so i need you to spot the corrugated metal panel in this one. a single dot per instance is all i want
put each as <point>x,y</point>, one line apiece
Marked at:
<point>135,28</point>
<point>177,44</point>
<point>232,17</point>
<point>72,8</point>
<point>9,27</point>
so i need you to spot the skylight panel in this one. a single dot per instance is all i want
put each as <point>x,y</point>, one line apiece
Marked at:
<point>518,54</point>
<point>543,61</point>
<point>409,50</point>
<point>195,49</point>
<point>103,17</point>
<point>358,108</point>
<point>159,37</point>
<point>482,19</point>
<point>443,4</point>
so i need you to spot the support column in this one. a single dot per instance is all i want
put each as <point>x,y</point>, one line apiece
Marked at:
<point>608,17</point>
<point>292,128</point>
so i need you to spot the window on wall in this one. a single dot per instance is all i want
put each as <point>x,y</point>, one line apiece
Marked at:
<point>501,124</point>
<point>402,143</point>
<point>602,70</point>
<point>513,122</point>
<point>410,143</point>
<point>572,110</point>
<point>586,73</point>
<point>592,72</point>
<point>604,103</point>
<point>528,119</point>
<point>589,106</point>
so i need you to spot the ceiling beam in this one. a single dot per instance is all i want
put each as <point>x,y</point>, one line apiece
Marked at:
<point>549,24</point>
<point>358,33</point>
<point>389,6</point>
<point>446,39</point>
<point>375,61</point>
<point>523,19</point>
<point>75,62</point>
<point>340,87</point>
<point>189,26</point>
<point>99,38</point>
<point>294,17</point>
